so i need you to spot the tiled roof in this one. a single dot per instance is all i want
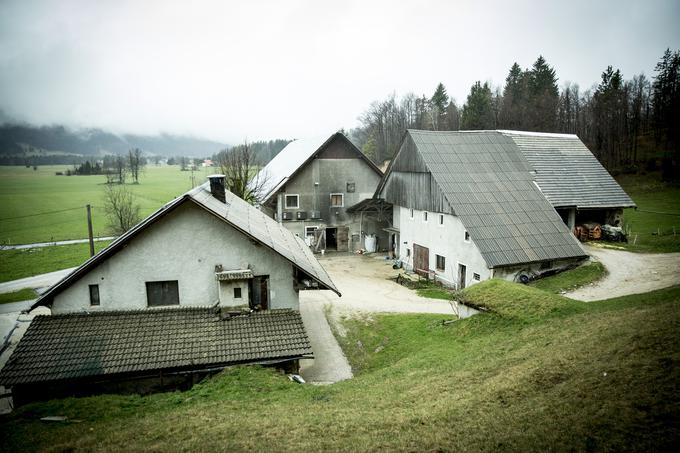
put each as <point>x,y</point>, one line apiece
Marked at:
<point>568,173</point>
<point>488,183</point>
<point>82,345</point>
<point>235,212</point>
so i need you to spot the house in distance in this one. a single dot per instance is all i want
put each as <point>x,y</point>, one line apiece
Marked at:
<point>205,282</point>
<point>310,187</point>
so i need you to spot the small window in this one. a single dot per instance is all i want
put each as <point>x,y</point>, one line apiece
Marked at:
<point>159,294</point>
<point>410,213</point>
<point>292,201</point>
<point>310,230</point>
<point>441,263</point>
<point>467,236</point>
<point>476,276</point>
<point>237,292</point>
<point>337,200</point>
<point>408,252</point>
<point>94,295</point>
<point>351,187</point>
<point>441,219</point>
<point>424,216</point>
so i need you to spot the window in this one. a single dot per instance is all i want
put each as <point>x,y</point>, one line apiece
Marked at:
<point>310,230</point>
<point>408,252</point>
<point>410,213</point>
<point>467,237</point>
<point>476,276</point>
<point>159,294</point>
<point>337,200</point>
<point>424,216</point>
<point>441,219</point>
<point>292,201</point>
<point>237,292</point>
<point>351,187</point>
<point>441,263</point>
<point>94,295</point>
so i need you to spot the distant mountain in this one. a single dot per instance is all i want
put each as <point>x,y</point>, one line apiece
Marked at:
<point>26,141</point>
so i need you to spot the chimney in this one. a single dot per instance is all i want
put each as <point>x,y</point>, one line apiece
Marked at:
<point>217,187</point>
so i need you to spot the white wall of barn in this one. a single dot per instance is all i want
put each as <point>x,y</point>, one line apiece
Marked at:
<point>185,245</point>
<point>446,239</point>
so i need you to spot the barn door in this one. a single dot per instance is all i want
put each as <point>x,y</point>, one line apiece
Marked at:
<point>342,239</point>
<point>421,259</point>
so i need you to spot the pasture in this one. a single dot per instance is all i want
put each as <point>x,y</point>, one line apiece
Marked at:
<point>38,206</point>
<point>536,372</point>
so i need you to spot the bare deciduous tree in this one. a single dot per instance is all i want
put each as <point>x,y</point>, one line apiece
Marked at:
<point>120,207</point>
<point>240,167</point>
<point>135,163</point>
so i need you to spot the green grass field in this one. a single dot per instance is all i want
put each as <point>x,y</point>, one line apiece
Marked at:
<point>27,195</point>
<point>16,264</point>
<point>655,225</point>
<point>538,372</point>
<point>18,296</point>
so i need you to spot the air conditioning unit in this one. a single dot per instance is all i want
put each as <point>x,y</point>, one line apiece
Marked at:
<point>287,215</point>
<point>314,214</point>
<point>301,215</point>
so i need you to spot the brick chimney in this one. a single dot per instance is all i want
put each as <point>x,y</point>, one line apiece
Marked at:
<point>217,187</point>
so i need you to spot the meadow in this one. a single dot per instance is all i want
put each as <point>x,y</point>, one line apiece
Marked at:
<point>536,372</point>
<point>39,206</point>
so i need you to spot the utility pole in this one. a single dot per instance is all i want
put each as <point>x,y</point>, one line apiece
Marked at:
<point>89,229</point>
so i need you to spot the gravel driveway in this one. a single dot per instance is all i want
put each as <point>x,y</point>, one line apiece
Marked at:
<point>629,273</point>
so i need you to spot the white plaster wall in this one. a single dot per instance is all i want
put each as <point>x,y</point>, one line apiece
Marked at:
<point>447,240</point>
<point>186,245</point>
<point>226,293</point>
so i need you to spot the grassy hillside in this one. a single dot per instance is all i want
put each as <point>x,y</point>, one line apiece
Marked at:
<point>656,222</point>
<point>28,194</point>
<point>537,372</point>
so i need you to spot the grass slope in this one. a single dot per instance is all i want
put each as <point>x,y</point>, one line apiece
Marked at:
<point>537,372</point>
<point>654,231</point>
<point>18,296</point>
<point>25,192</point>
<point>571,279</point>
<point>15,264</point>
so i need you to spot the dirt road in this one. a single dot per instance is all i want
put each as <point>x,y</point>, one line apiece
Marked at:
<point>630,273</point>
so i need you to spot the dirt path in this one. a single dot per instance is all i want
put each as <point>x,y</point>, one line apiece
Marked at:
<point>630,273</point>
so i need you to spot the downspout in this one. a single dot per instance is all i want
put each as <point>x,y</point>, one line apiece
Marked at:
<point>279,207</point>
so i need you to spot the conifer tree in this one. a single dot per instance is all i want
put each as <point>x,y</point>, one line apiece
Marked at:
<point>478,110</point>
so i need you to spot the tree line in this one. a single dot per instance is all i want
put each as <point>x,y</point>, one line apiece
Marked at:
<point>626,123</point>
<point>117,169</point>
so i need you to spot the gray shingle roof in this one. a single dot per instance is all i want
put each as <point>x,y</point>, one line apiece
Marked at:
<point>488,183</point>
<point>235,212</point>
<point>568,173</point>
<point>80,345</point>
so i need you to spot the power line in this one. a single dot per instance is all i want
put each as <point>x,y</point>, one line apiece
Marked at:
<point>41,213</point>
<point>662,213</point>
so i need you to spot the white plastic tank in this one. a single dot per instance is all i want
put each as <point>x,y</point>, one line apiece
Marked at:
<point>369,243</point>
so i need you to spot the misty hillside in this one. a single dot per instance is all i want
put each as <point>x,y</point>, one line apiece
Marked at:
<point>50,142</point>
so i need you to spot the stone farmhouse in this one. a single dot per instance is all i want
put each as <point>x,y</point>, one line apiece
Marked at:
<point>311,186</point>
<point>470,206</point>
<point>205,282</point>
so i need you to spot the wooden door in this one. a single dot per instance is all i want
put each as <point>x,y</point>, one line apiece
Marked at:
<point>462,275</point>
<point>421,259</point>
<point>342,238</point>
<point>259,293</point>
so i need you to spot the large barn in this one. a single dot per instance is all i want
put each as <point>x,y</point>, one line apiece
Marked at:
<point>473,205</point>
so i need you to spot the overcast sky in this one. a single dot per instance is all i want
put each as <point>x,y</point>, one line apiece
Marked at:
<point>229,70</point>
